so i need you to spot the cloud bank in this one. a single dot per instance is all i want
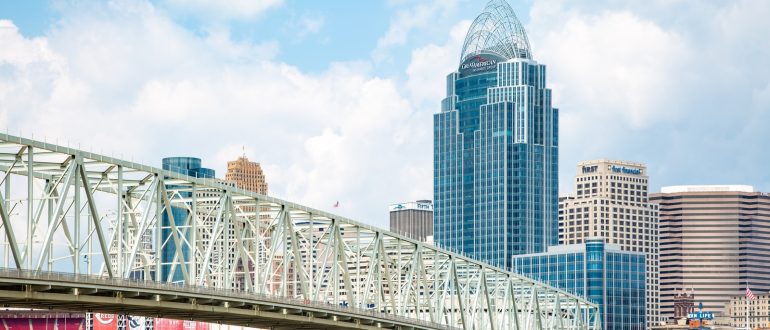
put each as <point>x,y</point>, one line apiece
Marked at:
<point>681,86</point>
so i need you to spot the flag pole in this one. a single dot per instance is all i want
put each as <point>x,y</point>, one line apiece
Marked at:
<point>747,305</point>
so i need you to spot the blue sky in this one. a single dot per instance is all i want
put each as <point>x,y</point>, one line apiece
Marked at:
<point>335,98</point>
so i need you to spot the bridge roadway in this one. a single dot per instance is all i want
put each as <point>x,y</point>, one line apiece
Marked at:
<point>64,291</point>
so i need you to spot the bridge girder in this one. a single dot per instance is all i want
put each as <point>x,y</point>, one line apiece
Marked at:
<point>68,210</point>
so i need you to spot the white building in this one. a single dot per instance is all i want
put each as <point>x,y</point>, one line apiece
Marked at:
<point>758,311</point>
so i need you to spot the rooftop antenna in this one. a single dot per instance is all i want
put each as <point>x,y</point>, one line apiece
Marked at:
<point>243,150</point>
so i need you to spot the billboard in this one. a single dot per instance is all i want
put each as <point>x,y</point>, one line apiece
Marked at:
<point>104,321</point>
<point>169,324</point>
<point>188,325</point>
<point>137,322</point>
<point>421,206</point>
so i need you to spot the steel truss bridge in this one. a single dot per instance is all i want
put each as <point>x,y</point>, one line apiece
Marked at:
<point>89,232</point>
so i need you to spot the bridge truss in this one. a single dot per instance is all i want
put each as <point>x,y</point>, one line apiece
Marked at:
<point>68,210</point>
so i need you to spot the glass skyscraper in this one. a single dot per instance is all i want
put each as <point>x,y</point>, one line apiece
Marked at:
<point>496,147</point>
<point>603,273</point>
<point>188,166</point>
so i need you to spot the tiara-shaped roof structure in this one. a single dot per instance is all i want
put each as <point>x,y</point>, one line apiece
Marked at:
<point>496,30</point>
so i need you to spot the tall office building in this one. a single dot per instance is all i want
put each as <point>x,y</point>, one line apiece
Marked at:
<point>610,277</point>
<point>611,201</point>
<point>714,240</point>
<point>169,265</point>
<point>247,175</point>
<point>496,147</point>
<point>412,219</point>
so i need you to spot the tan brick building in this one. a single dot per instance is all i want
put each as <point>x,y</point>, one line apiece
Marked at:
<point>758,311</point>
<point>246,175</point>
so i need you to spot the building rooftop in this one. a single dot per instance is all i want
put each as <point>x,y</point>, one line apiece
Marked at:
<point>497,31</point>
<point>616,162</point>
<point>422,205</point>
<point>706,188</point>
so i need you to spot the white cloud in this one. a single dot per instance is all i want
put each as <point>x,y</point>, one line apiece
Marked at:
<point>430,64</point>
<point>670,84</point>
<point>614,64</point>
<point>20,51</point>
<point>140,87</point>
<point>230,9</point>
<point>126,79</point>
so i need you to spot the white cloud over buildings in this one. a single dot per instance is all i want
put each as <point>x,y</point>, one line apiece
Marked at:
<point>641,82</point>
<point>632,82</point>
<point>139,86</point>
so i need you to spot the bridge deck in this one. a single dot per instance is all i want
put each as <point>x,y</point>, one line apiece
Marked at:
<point>61,291</point>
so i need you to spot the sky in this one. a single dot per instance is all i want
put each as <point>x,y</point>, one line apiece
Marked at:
<point>335,98</point>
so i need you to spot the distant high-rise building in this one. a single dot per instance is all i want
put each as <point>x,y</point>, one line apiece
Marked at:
<point>611,201</point>
<point>496,147</point>
<point>610,277</point>
<point>715,240</point>
<point>247,175</point>
<point>412,219</point>
<point>188,166</point>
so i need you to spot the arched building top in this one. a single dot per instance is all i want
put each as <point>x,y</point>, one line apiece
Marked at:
<point>497,31</point>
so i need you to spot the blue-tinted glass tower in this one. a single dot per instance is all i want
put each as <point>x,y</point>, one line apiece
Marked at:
<point>188,166</point>
<point>603,273</point>
<point>496,147</point>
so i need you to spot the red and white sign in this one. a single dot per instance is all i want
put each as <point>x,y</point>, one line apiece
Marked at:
<point>169,324</point>
<point>105,321</point>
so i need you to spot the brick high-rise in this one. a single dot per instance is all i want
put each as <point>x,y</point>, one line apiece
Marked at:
<point>247,175</point>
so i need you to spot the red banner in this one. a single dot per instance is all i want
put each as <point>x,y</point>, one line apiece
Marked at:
<point>169,324</point>
<point>105,321</point>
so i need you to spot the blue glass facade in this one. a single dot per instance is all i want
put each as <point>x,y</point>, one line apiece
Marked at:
<point>188,166</point>
<point>496,156</point>
<point>613,279</point>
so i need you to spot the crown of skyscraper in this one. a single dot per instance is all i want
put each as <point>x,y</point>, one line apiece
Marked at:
<point>496,31</point>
